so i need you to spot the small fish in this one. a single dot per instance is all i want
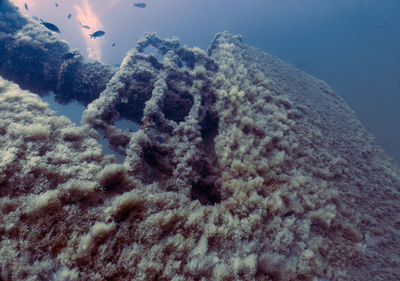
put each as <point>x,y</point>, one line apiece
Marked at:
<point>71,55</point>
<point>113,45</point>
<point>56,4</point>
<point>139,5</point>
<point>69,16</point>
<point>26,7</point>
<point>35,18</point>
<point>86,26</point>
<point>96,34</point>
<point>50,26</point>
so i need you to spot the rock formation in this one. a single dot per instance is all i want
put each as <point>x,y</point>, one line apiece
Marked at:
<point>244,168</point>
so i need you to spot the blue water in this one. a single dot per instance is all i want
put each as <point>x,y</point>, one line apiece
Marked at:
<point>354,45</point>
<point>74,112</point>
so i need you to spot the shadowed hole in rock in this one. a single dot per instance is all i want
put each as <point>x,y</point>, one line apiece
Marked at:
<point>206,193</point>
<point>318,227</point>
<point>187,58</point>
<point>209,130</point>
<point>155,158</point>
<point>176,106</point>
<point>209,127</point>
<point>133,105</point>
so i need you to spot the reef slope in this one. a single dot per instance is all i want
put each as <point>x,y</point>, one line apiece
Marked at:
<point>244,168</point>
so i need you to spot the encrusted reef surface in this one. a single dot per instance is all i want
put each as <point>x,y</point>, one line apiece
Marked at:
<point>244,168</point>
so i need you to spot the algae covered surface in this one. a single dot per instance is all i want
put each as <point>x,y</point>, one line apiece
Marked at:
<point>243,168</point>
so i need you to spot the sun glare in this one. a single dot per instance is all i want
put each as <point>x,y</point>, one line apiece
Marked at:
<point>87,17</point>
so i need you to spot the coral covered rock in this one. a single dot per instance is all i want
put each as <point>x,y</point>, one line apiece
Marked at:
<point>244,168</point>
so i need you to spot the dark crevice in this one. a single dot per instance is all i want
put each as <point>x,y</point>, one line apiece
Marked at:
<point>176,106</point>
<point>207,188</point>
<point>132,107</point>
<point>209,130</point>
<point>188,58</point>
<point>209,126</point>
<point>206,193</point>
<point>154,157</point>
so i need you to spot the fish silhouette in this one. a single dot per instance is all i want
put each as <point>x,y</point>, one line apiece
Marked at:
<point>96,34</point>
<point>139,5</point>
<point>50,26</point>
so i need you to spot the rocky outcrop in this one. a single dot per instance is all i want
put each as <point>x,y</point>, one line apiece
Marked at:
<point>244,168</point>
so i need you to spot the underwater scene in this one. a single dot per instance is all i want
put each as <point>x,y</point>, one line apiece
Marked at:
<point>199,140</point>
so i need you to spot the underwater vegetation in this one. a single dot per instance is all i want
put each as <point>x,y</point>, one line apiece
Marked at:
<point>243,167</point>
